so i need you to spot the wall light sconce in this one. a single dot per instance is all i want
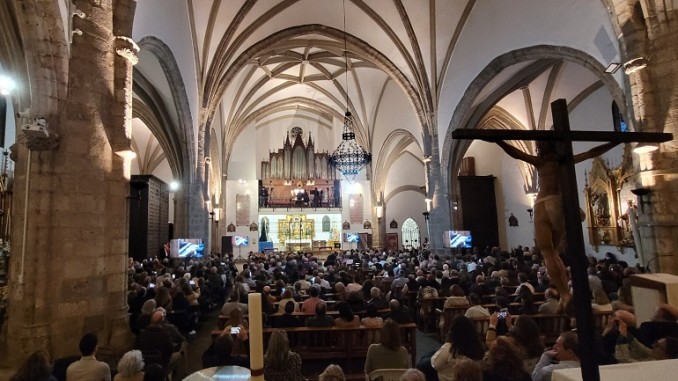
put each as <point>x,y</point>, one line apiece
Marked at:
<point>531,211</point>
<point>216,212</point>
<point>380,211</point>
<point>429,204</point>
<point>641,193</point>
<point>642,148</point>
<point>532,196</point>
<point>427,159</point>
<point>7,85</point>
<point>632,66</point>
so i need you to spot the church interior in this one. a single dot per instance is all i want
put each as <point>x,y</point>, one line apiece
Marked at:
<point>128,124</point>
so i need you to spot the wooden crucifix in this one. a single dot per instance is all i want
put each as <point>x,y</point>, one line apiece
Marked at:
<point>559,198</point>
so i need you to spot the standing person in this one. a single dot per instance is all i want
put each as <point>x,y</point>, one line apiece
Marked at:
<point>35,368</point>
<point>549,224</point>
<point>565,354</point>
<point>280,363</point>
<point>389,353</point>
<point>88,368</point>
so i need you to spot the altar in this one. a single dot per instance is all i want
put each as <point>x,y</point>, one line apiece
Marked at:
<point>312,231</point>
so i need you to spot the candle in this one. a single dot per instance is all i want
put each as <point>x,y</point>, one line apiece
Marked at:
<point>256,336</point>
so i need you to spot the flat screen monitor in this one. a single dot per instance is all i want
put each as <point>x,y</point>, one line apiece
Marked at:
<point>460,239</point>
<point>187,248</point>
<point>352,237</point>
<point>241,240</point>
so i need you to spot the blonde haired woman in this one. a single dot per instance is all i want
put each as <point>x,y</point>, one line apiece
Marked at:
<point>280,363</point>
<point>130,367</point>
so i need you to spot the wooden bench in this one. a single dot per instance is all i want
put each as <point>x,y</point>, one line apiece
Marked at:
<point>338,344</point>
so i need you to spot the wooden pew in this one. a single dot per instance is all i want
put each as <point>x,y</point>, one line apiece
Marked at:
<point>334,344</point>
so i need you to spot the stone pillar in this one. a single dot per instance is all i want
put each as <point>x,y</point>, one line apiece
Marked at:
<point>649,32</point>
<point>75,277</point>
<point>439,218</point>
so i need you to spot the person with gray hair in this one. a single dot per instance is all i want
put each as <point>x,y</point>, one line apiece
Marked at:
<point>333,372</point>
<point>412,374</point>
<point>130,367</point>
<point>377,299</point>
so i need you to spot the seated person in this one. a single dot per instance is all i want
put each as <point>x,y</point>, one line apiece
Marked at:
<point>476,310</point>
<point>457,297</point>
<point>320,319</point>
<point>220,352</point>
<point>377,299</point>
<point>287,319</point>
<point>88,368</point>
<point>373,320</point>
<point>346,316</point>
<point>399,313</point>
<point>389,353</point>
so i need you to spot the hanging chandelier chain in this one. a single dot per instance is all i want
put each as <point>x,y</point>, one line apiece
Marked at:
<point>345,53</point>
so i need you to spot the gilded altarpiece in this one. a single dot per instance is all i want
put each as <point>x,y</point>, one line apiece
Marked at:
<point>296,232</point>
<point>607,221</point>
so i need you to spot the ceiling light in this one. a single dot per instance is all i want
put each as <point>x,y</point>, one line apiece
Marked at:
<point>612,67</point>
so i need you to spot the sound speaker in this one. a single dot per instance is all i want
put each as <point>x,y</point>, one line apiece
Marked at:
<point>226,245</point>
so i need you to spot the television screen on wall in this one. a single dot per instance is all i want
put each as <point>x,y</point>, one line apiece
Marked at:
<point>241,240</point>
<point>460,239</point>
<point>352,237</point>
<point>187,248</point>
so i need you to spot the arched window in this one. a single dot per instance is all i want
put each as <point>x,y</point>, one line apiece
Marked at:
<point>618,119</point>
<point>411,239</point>
<point>326,224</point>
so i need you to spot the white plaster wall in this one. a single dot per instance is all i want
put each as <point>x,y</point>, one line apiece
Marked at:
<point>243,160</point>
<point>407,170</point>
<point>582,25</point>
<point>174,31</point>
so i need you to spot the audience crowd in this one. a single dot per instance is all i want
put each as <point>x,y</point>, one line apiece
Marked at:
<point>169,300</point>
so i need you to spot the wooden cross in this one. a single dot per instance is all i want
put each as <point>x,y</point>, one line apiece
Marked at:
<point>564,137</point>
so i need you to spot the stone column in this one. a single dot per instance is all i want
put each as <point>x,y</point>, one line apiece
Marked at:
<point>439,218</point>
<point>649,32</point>
<point>75,274</point>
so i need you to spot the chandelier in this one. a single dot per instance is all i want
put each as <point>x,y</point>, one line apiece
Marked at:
<point>349,157</point>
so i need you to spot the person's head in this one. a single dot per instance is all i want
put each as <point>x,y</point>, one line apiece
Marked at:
<point>546,149</point>
<point>148,307</point>
<point>464,339</point>
<point>236,316</point>
<point>131,363</point>
<point>320,309</point>
<point>567,346</point>
<point>287,294</point>
<point>332,373</point>
<point>36,367</point>
<point>278,350</point>
<point>158,316</point>
<point>375,292</point>
<point>468,370</point>
<point>503,359</point>
<point>314,291</point>
<point>390,335</point>
<point>551,293</point>
<point>526,333</point>
<point>223,347</point>
<point>154,372</point>
<point>88,344</point>
<point>474,299</point>
<point>394,305</point>
<point>289,307</point>
<point>456,290</point>
<point>413,374</point>
<point>345,311</point>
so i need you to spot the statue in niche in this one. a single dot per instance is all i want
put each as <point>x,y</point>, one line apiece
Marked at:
<point>513,220</point>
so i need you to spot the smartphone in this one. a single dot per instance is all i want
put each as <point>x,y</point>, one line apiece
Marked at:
<point>502,314</point>
<point>174,276</point>
<point>192,283</point>
<point>151,285</point>
<point>235,330</point>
